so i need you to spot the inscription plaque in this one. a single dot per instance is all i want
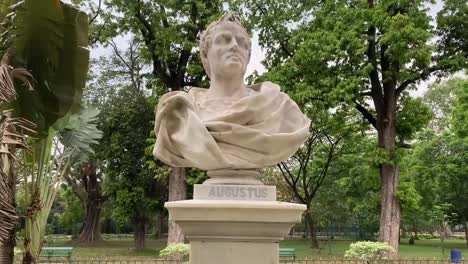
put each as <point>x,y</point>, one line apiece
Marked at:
<point>234,192</point>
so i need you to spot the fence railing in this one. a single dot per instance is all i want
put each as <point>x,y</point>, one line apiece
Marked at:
<point>347,261</point>
<point>148,260</point>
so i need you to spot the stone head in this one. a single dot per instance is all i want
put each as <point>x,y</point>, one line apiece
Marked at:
<point>225,47</point>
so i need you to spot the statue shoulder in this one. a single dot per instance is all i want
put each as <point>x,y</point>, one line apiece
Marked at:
<point>263,86</point>
<point>170,95</point>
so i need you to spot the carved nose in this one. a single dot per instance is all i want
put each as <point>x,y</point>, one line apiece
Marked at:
<point>234,45</point>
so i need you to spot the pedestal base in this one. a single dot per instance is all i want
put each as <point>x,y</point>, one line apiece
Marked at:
<point>234,232</point>
<point>233,252</point>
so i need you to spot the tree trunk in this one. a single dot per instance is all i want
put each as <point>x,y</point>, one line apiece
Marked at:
<point>415,230</point>
<point>6,253</point>
<point>158,223</point>
<point>390,176</point>
<point>465,225</point>
<point>28,257</point>
<point>91,231</point>
<point>177,192</point>
<point>8,216</point>
<point>139,235</point>
<point>313,235</point>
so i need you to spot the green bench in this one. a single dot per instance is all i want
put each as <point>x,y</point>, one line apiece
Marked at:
<point>287,252</point>
<point>57,252</point>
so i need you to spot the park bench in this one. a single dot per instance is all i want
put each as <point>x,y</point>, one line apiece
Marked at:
<point>57,252</point>
<point>287,252</point>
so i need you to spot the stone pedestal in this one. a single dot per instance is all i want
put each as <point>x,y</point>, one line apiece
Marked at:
<point>234,224</point>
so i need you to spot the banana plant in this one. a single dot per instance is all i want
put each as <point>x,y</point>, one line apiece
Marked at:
<point>68,141</point>
<point>49,39</point>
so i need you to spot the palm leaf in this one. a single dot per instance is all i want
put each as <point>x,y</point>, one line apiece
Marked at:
<point>9,141</point>
<point>7,81</point>
<point>4,7</point>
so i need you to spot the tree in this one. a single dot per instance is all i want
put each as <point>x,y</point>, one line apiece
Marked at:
<point>354,174</point>
<point>120,70</point>
<point>439,163</point>
<point>306,171</point>
<point>170,32</point>
<point>85,181</point>
<point>129,185</point>
<point>458,155</point>
<point>361,53</point>
<point>441,98</point>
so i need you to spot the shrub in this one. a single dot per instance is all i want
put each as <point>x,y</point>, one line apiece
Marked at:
<point>368,251</point>
<point>178,251</point>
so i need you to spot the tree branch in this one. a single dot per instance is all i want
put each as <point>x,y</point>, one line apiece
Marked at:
<point>369,117</point>
<point>421,76</point>
<point>376,86</point>
<point>403,144</point>
<point>98,34</point>
<point>187,51</point>
<point>131,69</point>
<point>150,38</point>
<point>292,184</point>
<point>164,16</point>
<point>97,13</point>
<point>366,93</point>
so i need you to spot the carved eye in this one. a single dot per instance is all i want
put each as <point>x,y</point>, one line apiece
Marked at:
<point>223,38</point>
<point>242,42</point>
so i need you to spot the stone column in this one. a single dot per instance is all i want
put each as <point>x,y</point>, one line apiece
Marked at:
<point>234,224</point>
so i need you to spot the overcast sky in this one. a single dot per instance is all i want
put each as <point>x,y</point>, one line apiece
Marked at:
<point>258,54</point>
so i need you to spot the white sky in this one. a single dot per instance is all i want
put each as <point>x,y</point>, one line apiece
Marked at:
<point>258,54</point>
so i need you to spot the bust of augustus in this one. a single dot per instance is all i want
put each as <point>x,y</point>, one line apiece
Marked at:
<point>230,129</point>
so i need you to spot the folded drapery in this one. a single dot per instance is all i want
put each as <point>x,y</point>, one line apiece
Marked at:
<point>256,131</point>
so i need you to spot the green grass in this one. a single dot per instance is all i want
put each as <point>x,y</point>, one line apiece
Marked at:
<point>425,249</point>
<point>112,248</point>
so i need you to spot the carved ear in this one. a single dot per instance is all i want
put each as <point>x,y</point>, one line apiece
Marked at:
<point>206,65</point>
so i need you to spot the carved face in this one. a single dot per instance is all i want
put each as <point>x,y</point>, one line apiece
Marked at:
<point>229,52</point>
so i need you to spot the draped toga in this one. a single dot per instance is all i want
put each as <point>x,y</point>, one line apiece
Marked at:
<point>256,131</point>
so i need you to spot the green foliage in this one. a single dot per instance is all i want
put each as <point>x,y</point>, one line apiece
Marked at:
<point>131,187</point>
<point>412,116</point>
<point>47,163</point>
<point>460,110</point>
<point>453,31</point>
<point>175,251</point>
<point>357,176</point>
<point>371,252</point>
<point>170,31</point>
<point>441,98</point>
<point>48,38</point>
<point>79,133</point>
<point>73,214</point>
<point>364,54</point>
<point>436,167</point>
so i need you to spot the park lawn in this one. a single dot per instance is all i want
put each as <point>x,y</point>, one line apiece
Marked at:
<point>112,248</point>
<point>424,249</point>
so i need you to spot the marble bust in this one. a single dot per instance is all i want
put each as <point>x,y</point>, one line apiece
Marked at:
<point>230,128</point>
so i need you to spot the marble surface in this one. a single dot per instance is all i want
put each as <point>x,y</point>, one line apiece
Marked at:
<point>230,125</point>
